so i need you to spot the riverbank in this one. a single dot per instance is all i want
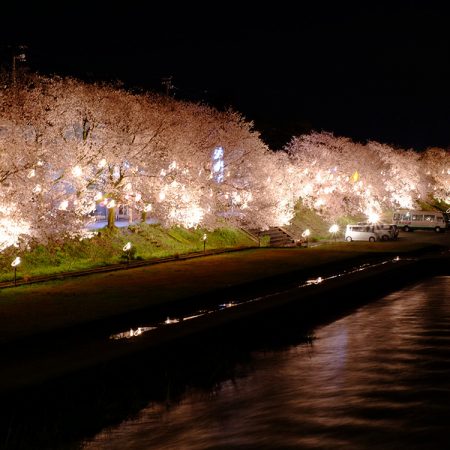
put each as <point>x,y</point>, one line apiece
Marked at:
<point>58,328</point>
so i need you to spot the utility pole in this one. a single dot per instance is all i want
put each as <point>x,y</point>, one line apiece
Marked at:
<point>167,83</point>
<point>20,57</point>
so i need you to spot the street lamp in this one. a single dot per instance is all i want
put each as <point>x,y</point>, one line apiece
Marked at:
<point>204,242</point>
<point>14,264</point>
<point>167,83</point>
<point>305,235</point>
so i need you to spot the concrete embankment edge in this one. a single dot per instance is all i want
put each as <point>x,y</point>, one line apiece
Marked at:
<point>311,303</point>
<point>308,306</point>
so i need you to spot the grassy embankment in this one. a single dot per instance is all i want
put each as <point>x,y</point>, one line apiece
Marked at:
<point>148,242</point>
<point>153,241</point>
<point>106,248</point>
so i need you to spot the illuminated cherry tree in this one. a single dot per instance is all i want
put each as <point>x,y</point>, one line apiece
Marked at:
<point>436,165</point>
<point>67,147</point>
<point>338,176</point>
<point>22,156</point>
<point>400,173</point>
<point>329,173</point>
<point>82,144</point>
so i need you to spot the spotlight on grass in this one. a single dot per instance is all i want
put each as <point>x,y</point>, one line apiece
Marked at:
<point>204,242</point>
<point>305,235</point>
<point>333,230</point>
<point>127,250</point>
<point>15,264</point>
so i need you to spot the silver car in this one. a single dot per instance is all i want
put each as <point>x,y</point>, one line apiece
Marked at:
<point>361,233</point>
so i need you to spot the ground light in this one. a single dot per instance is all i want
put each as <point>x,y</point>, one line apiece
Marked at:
<point>127,250</point>
<point>204,242</point>
<point>14,264</point>
<point>333,230</point>
<point>305,235</point>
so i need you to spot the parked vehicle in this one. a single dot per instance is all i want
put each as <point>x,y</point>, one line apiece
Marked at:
<point>391,228</point>
<point>385,231</point>
<point>410,220</point>
<point>361,233</point>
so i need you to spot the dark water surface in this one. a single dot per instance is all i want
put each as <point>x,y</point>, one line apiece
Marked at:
<point>377,378</point>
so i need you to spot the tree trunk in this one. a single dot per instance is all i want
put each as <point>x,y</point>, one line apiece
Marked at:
<point>111,217</point>
<point>143,216</point>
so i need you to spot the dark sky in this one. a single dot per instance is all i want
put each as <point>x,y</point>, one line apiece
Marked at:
<point>367,70</point>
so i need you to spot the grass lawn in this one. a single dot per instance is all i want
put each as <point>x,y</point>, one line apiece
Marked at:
<point>106,248</point>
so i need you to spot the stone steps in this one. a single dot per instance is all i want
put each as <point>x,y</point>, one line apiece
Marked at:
<point>278,236</point>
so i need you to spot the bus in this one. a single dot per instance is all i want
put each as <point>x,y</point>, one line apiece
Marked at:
<point>410,220</point>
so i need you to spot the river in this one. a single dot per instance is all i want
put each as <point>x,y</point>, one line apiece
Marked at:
<point>377,378</point>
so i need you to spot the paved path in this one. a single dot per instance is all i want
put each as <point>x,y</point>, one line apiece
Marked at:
<point>120,223</point>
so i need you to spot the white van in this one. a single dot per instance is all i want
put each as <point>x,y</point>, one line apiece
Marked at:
<point>361,233</point>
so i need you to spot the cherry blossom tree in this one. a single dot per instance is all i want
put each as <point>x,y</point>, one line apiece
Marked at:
<point>68,146</point>
<point>90,143</point>
<point>436,165</point>
<point>400,173</point>
<point>339,176</point>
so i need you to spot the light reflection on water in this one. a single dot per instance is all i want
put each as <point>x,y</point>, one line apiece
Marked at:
<point>378,378</point>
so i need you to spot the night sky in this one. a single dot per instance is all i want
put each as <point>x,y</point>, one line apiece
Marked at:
<point>371,70</point>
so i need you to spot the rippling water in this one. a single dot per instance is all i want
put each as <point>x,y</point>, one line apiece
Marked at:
<point>378,378</point>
